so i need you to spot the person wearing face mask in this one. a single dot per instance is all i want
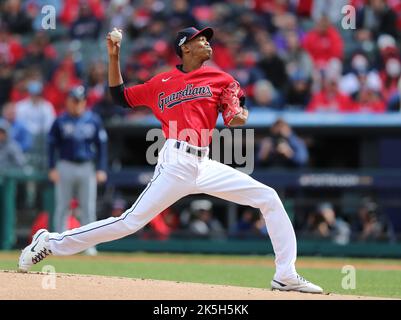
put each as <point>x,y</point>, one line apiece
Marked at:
<point>37,115</point>
<point>35,111</point>
<point>390,75</point>
<point>359,74</point>
<point>323,43</point>
<point>329,98</point>
<point>363,85</point>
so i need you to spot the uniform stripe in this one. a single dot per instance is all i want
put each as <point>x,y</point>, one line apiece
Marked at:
<point>110,223</point>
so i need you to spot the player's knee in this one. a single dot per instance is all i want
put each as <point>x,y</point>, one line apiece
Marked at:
<point>270,201</point>
<point>130,226</point>
<point>270,193</point>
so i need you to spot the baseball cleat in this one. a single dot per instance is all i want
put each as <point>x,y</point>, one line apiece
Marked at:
<point>298,284</point>
<point>35,252</point>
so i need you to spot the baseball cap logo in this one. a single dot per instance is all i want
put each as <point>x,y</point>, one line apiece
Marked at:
<point>182,40</point>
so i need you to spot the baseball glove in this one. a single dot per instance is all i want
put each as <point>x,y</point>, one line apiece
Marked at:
<point>230,102</point>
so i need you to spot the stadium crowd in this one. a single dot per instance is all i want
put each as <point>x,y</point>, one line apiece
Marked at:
<point>287,54</point>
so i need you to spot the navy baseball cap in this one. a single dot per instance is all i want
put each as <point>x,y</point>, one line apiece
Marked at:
<point>77,93</point>
<point>187,34</point>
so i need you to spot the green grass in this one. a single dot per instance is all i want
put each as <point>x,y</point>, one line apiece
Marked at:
<point>231,270</point>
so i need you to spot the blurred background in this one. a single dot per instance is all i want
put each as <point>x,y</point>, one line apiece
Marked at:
<point>324,102</point>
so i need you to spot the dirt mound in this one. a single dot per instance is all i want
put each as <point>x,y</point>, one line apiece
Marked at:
<point>38,286</point>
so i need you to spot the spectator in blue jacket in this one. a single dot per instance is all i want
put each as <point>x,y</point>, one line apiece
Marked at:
<point>77,159</point>
<point>18,131</point>
<point>283,148</point>
<point>11,156</point>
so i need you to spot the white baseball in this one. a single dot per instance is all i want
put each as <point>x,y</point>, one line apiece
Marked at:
<point>116,36</point>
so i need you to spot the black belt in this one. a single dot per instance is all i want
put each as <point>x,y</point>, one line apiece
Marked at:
<point>191,150</point>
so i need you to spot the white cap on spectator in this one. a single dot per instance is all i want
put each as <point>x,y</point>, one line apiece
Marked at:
<point>334,69</point>
<point>119,3</point>
<point>264,91</point>
<point>385,41</point>
<point>393,67</point>
<point>360,63</point>
<point>197,205</point>
<point>373,82</point>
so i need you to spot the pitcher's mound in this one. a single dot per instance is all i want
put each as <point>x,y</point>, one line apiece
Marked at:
<point>39,286</point>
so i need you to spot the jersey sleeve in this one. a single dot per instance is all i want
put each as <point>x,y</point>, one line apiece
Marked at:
<point>139,95</point>
<point>229,79</point>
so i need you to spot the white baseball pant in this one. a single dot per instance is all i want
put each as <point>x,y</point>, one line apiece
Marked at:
<point>176,175</point>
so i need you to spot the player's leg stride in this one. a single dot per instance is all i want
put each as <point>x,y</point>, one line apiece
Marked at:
<point>198,174</point>
<point>190,96</point>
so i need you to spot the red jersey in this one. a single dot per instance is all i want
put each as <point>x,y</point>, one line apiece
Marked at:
<point>186,104</point>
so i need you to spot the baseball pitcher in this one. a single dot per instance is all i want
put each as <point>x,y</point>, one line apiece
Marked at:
<point>187,101</point>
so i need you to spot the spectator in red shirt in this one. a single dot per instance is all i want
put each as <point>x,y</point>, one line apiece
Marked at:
<point>330,99</point>
<point>96,83</point>
<point>163,225</point>
<point>21,79</point>
<point>304,8</point>
<point>42,219</point>
<point>387,48</point>
<point>18,89</point>
<point>390,75</point>
<point>368,100</point>
<point>225,47</point>
<point>11,51</point>
<point>64,78</point>
<point>323,43</point>
<point>270,6</point>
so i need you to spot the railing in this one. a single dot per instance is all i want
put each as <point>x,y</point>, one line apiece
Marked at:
<point>262,118</point>
<point>9,182</point>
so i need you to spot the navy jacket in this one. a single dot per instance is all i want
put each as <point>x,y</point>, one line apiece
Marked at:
<point>78,139</point>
